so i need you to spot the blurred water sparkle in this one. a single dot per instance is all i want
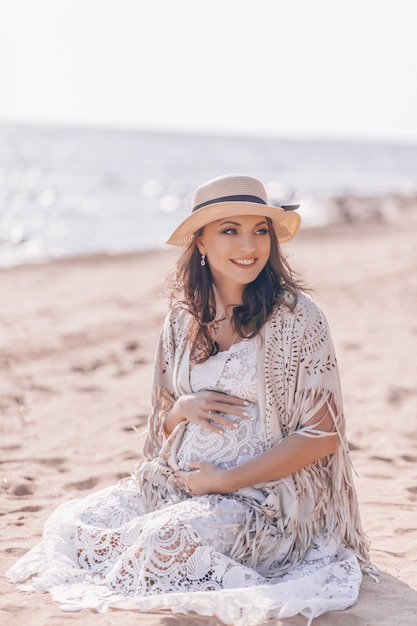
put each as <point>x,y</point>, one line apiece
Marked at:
<point>68,191</point>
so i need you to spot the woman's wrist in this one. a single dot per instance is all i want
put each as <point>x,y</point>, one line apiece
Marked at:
<point>229,480</point>
<point>248,474</point>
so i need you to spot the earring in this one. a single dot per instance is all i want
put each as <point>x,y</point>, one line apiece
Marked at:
<point>203,259</point>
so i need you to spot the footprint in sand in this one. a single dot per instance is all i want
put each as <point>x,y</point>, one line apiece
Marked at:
<point>17,552</point>
<point>405,531</point>
<point>396,395</point>
<point>56,461</point>
<point>23,490</point>
<point>28,509</point>
<point>10,448</point>
<point>132,346</point>
<point>413,493</point>
<point>137,422</point>
<point>88,388</point>
<point>121,476</point>
<point>130,456</point>
<point>385,459</point>
<point>88,368</point>
<point>53,460</point>
<point>353,447</point>
<point>408,458</point>
<point>82,485</point>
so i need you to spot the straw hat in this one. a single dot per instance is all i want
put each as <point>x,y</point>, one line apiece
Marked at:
<point>232,195</point>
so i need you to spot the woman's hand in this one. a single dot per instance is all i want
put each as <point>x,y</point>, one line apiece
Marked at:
<point>207,409</point>
<point>203,478</point>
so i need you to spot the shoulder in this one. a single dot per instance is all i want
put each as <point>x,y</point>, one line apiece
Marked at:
<point>303,325</point>
<point>304,318</point>
<point>178,315</point>
<point>177,321</point>
<point>307,306</point>
<point>305,309</point>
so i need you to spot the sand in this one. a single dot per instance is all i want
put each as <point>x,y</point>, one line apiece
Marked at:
<point>77,339</point>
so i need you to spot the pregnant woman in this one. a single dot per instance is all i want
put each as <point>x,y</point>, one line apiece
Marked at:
<point>244,507</point>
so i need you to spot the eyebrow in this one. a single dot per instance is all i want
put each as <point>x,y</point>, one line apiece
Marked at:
<point>239,224</point>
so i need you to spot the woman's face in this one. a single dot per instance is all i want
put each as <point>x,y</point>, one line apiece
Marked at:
<point>237,249</point>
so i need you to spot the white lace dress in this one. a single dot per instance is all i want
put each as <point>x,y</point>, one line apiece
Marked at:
<point>110,549</point>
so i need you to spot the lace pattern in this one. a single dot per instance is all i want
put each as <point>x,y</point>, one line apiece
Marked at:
<point>143,544</point>
<point>232,372</point>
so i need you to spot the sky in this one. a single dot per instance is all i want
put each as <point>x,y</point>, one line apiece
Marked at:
<point>288,68</point>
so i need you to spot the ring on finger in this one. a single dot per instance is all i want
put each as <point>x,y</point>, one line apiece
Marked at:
<point>210,416</point>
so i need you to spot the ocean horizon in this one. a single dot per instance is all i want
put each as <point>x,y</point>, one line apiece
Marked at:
<point>68,191</point>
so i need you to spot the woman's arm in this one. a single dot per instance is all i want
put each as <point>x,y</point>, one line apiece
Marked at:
<point>285,457</point>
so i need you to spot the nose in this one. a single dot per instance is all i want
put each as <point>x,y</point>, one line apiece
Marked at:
<point>247,242</point>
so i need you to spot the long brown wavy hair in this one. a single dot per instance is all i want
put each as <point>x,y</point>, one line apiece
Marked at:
<point>191,287</point>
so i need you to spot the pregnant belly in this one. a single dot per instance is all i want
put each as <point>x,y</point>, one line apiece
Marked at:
<point>233,447</point>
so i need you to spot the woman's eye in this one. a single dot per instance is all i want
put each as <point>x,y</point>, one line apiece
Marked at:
<point>229,231</point>
<point>262,231</point>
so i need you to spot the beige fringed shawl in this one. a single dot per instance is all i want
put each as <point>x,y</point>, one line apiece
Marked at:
<point>297,375</point>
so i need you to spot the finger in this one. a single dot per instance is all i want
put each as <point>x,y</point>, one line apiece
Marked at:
<point>231,410</point>
<point>220,419</point>
<point>181,480</point>
<point>211,426</point>
<point>179,477</point>
<point>220,396</point>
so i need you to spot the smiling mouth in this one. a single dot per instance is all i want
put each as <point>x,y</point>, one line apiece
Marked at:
<point>243,262</point>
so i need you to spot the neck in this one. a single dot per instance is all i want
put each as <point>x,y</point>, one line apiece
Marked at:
<point>226,300</point>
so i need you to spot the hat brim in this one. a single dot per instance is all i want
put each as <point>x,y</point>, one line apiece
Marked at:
<point>286,223</point>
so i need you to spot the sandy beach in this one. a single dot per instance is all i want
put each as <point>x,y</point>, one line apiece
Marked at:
<point>77,339</point>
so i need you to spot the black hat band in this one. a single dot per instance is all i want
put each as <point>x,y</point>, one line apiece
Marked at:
<point>238,198</point>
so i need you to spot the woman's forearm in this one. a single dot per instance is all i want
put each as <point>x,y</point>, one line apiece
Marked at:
<point>286,457</point>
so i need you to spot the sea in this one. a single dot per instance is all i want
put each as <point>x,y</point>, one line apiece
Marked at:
<point>68,191</point>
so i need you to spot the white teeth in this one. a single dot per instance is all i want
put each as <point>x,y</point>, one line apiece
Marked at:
<point>244,261</point>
